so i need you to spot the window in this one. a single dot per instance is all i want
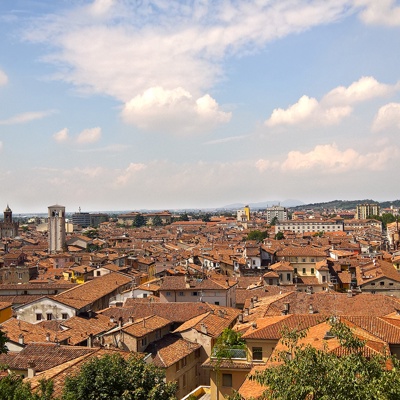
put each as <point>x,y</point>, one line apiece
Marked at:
<point>304,271</point>
<point>168,294</point>
<point>144,341</point>
<point>184,380</point>
<point>257,353</point>
<point>295,270</point>
<point>390,283</point>
<point>19,275</point>
<point>312,271</point>
<point>180,294</point>
<point>64,316</point>
<point>98,273</point>
<point>184,361</point>
<point>288,277</point>
<point>49,317</point>
<point>372,283</point>
<point>177,366</point>
<point>194,294</point>
<point>303,260</point>
<point>38,317</point>
<point>227,380</point>
<point>312,260</point>
<point>216,303</point>
<point>382,283</point>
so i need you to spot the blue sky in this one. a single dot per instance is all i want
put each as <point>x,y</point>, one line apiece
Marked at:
<point>124,105</point>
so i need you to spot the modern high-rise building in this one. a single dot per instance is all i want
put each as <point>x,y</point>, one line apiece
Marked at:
<point>278,212</point>
<point>366,210</point>
<point>56,228</point>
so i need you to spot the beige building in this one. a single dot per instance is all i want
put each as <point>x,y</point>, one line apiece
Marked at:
<point>56,228</point>
<point>364,211</point>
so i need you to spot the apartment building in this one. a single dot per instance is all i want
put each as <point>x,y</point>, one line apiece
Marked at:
<point>363,211</point>
<point>276,212</point>
<point>310,225</point>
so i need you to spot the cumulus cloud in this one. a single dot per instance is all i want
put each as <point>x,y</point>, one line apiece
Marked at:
<point>329,158</point>
<point>61,136</point>
<point>333,107</point>
<point>90,135</point>
<point>388,116</point>
<point>307,110</point>
<point>124,49</point>
<point>173,111</point>
<point>382,12</point>
<point>126,175</point>
<point>25,117</point>
<point>366,88</point>
<point>3,78</point>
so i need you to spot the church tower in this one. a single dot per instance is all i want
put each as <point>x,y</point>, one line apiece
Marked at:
<point>8,228</point>
<point>56,228</point>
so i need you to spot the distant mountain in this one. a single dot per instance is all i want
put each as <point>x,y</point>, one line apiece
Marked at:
<point>346,204</point>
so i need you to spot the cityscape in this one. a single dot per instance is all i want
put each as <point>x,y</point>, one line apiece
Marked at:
<point>199,200</point>
<point>168,285</point>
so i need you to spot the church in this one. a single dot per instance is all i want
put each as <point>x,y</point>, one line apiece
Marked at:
<point>8,228</point>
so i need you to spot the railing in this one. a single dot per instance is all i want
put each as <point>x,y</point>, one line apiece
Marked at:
<point>233,354</point>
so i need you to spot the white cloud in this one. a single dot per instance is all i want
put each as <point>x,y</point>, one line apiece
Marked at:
<point>3,78</point>
<point>90,135</point>
<point>366,88</point>
<point>265,165</point>
<point>388,116</point>
<point>329,158</point>
<point>128,173</point>
<point>307,110</point>
<point>26,117</point>
<point>379,12</point>
<point>124,48</point>
<point>61,136</point>
<point>333,107</point>
<point>173,111</point>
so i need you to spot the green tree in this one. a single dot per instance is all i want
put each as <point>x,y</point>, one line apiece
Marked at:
<point>308,373</point>
<point>157,221</point>
<point>229,339</point>
<point>92,233</point>
<point>12,387</point>
<point>113,377</point>
<point>274,221</point>
<point>139,221</point>
<point>386,218</point>
<point>206,217</point>
<point>3,341</point>
<point>279,236</point>
<point>184,217</point>
<point>257,235</point>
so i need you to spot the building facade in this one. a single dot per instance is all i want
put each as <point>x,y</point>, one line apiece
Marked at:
<point>365,210</point>
<point>276,212</point>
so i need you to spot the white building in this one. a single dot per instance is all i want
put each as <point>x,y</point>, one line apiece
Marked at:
<point>310,225</point>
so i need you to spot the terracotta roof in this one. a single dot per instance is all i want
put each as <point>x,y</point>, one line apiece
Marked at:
<point>45,355</point>
<point>170,349</point>
<point>88,292</point>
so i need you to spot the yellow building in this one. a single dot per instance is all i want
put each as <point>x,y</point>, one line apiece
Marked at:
<point>5,311</point>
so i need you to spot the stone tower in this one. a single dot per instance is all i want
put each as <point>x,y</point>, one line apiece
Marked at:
<point>8,228</point>
<point>56,228</point>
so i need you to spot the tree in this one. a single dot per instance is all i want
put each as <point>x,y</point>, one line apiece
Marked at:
<point>12,387</point>
<point>114,377</point>
<point>274,221</point>
<point>257,235</point>
<point>184,217</point>
<point>279,236</point>
<point>206,217</point>
<point>305,372</point>
<point>157,221</point>
<point>139,221</point>
<point>3,341</point>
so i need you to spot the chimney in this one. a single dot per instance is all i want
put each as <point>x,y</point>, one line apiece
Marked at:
<point>120,322</point>
<point>310,309</point>
<point>220,314</point>
<point>286,306</point>
<point>246,311</point>
<point>112,320</point>
<point>203,328</point>
<point>48,337</point>
<point>130,319</point>
<point>31,369</point>
<point>251,303</point>
<point>21,339</point>
<point>240,318</point>
<point>90,340</point>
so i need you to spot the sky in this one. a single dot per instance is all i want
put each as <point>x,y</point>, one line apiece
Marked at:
<point>135,104</point>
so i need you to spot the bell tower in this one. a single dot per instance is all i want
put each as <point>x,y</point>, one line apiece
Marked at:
<point>56,228</point>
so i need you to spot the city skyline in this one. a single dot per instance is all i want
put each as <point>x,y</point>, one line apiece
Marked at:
<point>194,105</point>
